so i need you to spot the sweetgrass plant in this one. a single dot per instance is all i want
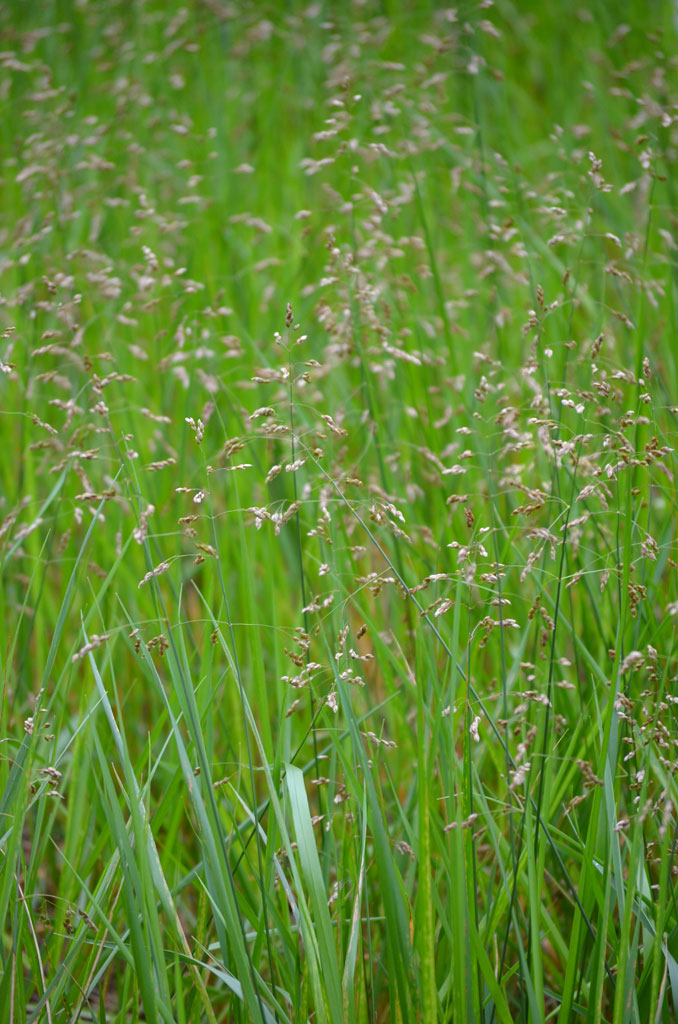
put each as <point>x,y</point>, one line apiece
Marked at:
<point>338,513</point>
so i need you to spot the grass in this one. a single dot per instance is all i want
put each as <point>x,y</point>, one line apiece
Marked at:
<point>338,606</point>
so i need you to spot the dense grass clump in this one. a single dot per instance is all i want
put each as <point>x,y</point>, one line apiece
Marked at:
<point>337,512</point>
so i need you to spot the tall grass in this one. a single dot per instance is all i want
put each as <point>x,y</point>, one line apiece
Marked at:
<point>338,632</point>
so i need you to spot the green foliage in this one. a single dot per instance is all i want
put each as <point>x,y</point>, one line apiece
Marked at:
<point>337,501</point>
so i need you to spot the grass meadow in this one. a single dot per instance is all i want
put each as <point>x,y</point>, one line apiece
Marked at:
<point>338,397</point>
